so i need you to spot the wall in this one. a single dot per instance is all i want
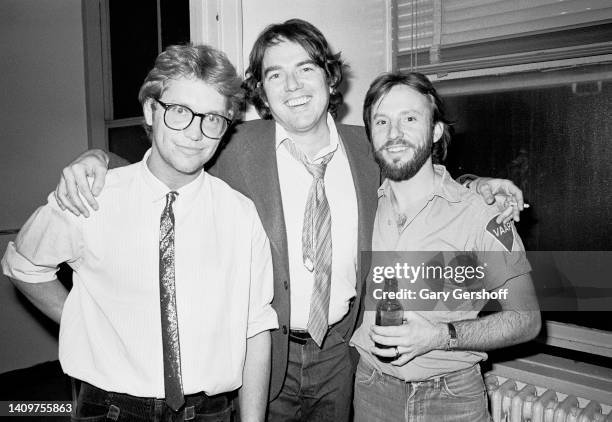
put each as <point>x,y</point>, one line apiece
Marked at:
<point>355,28</point>
<point>44,126</point>
<point>44,123</point>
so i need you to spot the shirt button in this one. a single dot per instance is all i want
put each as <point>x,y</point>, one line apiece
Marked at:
<point>284,329</point>
<point>285,284</point>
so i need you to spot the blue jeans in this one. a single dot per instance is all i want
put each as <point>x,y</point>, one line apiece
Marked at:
<point>318,385</point>
<point>457,397</point>
<point>94,404</point>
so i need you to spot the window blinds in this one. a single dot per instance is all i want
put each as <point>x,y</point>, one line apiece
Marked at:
<point>451,35</point>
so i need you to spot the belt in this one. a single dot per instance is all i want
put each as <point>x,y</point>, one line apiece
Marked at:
<point>369,368</point>
<point>134,404</point>
<point>299,336</point>
<point>302,336</point>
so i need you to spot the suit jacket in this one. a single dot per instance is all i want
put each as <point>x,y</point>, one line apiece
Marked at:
<point>248,164</point>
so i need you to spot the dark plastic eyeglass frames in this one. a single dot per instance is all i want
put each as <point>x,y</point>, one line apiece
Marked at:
<point>179,117</point>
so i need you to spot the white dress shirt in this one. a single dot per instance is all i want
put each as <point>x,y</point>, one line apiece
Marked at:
<point>110,331</point>
<point>295,182</point>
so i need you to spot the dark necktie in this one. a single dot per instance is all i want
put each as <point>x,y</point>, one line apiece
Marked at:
<point>173,384</point>
<point>316,242</point>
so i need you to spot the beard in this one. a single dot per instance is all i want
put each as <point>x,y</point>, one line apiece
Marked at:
<point>396,170</point>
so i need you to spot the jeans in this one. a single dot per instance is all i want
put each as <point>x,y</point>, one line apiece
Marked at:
<point>318,385</point>
<point>456,397</point>
<point>94,404</point>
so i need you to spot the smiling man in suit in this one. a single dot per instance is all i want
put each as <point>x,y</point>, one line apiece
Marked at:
<point>314,183</point>
<point>302,167</point>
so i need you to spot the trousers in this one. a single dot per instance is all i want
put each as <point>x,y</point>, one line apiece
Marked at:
<point>319,383</point>
<point>94,404</point>
<point>456,397</point>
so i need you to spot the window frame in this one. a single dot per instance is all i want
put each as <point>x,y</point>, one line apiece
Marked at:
<point>98,69</point>
<point>533,69</point>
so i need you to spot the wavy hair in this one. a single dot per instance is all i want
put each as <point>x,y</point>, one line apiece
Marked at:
<point>200,62</point>
<point>312,40</point>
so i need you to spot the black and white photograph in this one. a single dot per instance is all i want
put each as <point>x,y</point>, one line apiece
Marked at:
<point>306,210</point>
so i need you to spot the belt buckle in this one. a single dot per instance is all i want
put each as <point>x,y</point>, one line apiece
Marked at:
<point>299,337</point>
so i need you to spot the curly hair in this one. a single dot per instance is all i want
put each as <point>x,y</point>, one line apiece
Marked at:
<point>312,40</point>
<point>419,82</point>
<point>200,62</point>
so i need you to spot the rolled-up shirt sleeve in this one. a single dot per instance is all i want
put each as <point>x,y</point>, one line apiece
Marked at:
<point>49,237</point>
<point>261,314</point>
<point>501,249</point>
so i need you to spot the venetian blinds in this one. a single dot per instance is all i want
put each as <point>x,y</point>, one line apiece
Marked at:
<point>440,36</point>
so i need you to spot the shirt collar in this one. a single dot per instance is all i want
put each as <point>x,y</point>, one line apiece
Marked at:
<point>157,190</point>
<point>447,188</point>
<point>282,136</point>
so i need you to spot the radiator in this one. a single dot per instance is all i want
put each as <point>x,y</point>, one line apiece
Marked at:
<point>513,401</point>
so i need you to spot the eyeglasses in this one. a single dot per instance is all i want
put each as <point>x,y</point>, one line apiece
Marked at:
<point>179,117</point>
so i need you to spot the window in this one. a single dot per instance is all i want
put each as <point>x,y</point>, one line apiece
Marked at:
<point>529,86</point>
<point>554,142</point>
<point>122,41</point>
<point>451,36</point>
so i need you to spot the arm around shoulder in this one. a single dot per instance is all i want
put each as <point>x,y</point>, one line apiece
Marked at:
<point>74,184</point>
<point>115,160</point>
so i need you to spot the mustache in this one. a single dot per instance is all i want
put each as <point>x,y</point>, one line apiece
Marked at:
<point>395,142</point>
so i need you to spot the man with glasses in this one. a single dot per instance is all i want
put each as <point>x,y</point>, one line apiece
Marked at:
<point>180,117</point>
<point>170,309</point>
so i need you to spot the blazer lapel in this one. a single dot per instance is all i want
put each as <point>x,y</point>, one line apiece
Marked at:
<point>261,174</point>
<point>366,178</point>
<point>260,170</point>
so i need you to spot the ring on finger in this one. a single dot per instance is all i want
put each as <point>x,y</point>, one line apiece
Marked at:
<point>397,353</point>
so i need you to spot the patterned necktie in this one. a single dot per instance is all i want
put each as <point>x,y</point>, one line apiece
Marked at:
<point>316,242</point>
<point>173,384</point>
